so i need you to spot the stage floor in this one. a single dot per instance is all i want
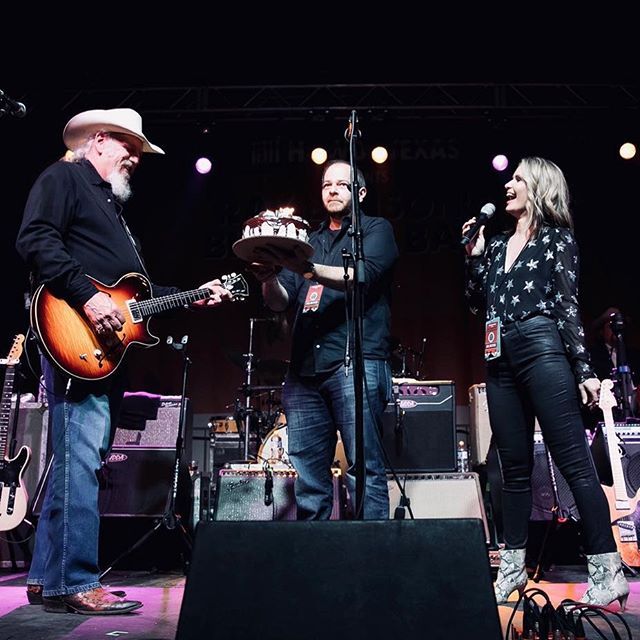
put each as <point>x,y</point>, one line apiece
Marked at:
<point>162,595</point>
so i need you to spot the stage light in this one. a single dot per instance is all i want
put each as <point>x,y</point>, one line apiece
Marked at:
<point>500,162</point>
<point>203,165</point>
<point>628,151</point>
<point>379,155</point>
<point>319,155</point>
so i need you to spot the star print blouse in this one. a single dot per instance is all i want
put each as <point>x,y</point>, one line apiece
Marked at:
<point>543,280</point>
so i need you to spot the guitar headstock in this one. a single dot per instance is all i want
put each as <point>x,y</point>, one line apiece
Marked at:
<point>13,357</point>
<point>607,400</point>
<point>236,284</point>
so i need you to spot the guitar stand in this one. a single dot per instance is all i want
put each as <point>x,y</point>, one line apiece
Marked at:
<point>170,520</point>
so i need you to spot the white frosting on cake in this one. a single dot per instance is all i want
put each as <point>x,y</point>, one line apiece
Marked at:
<point>280,222</point>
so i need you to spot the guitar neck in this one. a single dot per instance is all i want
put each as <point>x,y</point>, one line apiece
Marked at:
<point>151,306</point>
<point>5,409</point>
<point>622,499</point>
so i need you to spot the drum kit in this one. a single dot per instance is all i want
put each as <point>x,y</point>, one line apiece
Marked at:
<point>259,420</point>
<point>406,362</point>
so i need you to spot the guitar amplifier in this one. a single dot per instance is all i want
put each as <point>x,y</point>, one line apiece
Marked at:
<point>240,495</point>
<point>32,431</point>
<point>439,495</point>
<point>479,424</point>
<point>148,421</point>
<point>419,427</point>
<point>548,486</point>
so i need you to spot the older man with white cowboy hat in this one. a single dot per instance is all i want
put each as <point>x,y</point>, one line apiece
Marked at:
<point>73,228</point>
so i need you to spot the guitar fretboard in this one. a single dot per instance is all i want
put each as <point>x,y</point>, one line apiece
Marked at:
<point>144,308</point>
<point>5,409</point>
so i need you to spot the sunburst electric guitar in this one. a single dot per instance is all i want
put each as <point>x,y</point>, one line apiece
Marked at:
<point>621,505</point>
<point>13,495</point>
<point>70,341</point>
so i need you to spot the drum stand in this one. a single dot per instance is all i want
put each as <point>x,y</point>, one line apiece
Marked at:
<point>169,519</point>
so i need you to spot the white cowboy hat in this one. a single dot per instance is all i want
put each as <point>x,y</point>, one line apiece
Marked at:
<point>81,126</point>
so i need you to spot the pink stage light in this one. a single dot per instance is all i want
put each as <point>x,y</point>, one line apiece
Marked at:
<point>500,162</point>
<point>203,165</point>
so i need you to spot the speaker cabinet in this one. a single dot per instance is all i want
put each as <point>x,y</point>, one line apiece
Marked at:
<point>240,495</point>
<point>16,545</point>
<point>419,427</point>
<point>32,431</point>
<point>546,482</point>
<point>443,495</point>
<point>479,425</point>
<point>137,482</point>
<point>313,580</point>
<point>151,421</point>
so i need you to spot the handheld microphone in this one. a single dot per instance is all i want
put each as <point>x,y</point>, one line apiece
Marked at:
<point>11,106</point>
<point>485,213</point>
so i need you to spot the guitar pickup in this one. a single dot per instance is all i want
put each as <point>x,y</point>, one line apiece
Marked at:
<point>134,310</point>
<point>11,497</point>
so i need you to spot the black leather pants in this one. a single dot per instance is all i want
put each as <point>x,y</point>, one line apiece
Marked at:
<point>533,379</point>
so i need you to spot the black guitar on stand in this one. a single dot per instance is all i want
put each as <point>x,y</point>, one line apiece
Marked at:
<point>13,495</point>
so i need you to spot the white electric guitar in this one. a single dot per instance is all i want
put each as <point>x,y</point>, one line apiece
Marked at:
<point>13,495</point>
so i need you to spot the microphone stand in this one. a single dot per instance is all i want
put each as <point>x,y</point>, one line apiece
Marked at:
<point>248,411</point>
<point>358,315</point>
<point>623,371</point>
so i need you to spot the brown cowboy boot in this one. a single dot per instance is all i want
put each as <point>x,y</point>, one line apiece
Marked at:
<point>90,603</point>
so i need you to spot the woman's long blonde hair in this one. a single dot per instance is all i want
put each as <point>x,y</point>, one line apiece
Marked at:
<point>548,194</point>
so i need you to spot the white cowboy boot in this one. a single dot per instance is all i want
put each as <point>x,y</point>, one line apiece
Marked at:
<point>512,574</point>
<point>606,580</point>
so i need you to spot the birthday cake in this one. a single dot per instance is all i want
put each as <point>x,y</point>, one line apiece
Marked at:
<point>280,223</point>
<point>270,230</point>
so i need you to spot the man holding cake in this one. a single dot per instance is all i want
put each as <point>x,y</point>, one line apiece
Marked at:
<point>319,391</point>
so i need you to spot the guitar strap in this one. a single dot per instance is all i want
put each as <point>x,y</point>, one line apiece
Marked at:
<point>132,240</point>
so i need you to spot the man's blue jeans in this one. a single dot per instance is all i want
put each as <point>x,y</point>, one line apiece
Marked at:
<point>65,557</point>
<point>316,409</point>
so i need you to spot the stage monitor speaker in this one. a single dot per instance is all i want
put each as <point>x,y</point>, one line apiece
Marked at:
<point>137,482</point>
<point>240,495</point>
<point>441,495</point>
<point>149,421</point>
<point>479,425</point>
<point>419,427</point>
<point>543,478</point>
<point>313,580</point>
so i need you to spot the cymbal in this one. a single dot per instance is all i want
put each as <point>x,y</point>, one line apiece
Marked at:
<point>266,387</point>
<point>267,366</point>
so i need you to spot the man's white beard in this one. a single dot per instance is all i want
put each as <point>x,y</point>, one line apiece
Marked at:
<point>120,186</point>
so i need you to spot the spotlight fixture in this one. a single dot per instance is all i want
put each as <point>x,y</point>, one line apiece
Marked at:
<point>379,154</point>
<point>627,151</point>
<point>319,155</point>
<point>203,165</point>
